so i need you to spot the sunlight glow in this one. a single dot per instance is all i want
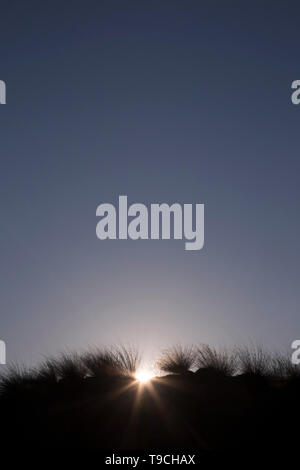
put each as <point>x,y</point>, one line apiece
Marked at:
<point>143,375</point>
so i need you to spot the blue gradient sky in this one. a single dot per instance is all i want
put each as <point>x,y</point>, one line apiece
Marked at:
<point>165,101</point>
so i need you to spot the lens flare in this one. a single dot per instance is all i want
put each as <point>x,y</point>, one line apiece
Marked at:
<point>144,376</point>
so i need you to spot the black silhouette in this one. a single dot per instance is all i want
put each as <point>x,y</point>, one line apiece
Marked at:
<point>211,401</point>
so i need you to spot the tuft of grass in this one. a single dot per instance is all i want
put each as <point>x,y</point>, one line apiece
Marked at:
<point>119,360</point>
<point>69,367</point>
<point>127,358</point>
<point>177,360</point>
<point>48,372</point>
<point>99,363</point>
<point>16,380</point>
<point>283,367</point>
<point>254,360</point>
<point>223,361</point>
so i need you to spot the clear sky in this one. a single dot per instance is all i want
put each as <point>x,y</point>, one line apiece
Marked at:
<point>164,101</point>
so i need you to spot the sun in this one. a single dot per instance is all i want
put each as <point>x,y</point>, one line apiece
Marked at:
<point>143,376</point>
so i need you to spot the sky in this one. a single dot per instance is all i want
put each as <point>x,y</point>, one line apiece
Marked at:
<point>162,101</point>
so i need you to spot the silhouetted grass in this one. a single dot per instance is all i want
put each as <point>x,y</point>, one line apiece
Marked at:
<point>177,359</point>
<point>254,360</point>
<point>99,363</point>
<point>47,373</point>
<point>91,400</point>
<point>221,361</point>
<point>127,358</point>
<point>282,367</point>
<point>16,379</point>
<point>118,360</point>
<point>69,367</point>
<point>124,361</point>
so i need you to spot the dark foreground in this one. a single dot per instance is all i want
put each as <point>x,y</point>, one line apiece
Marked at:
<point>191,411</point>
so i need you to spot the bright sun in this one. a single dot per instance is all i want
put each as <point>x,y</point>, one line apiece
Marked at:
<point>143,376</point>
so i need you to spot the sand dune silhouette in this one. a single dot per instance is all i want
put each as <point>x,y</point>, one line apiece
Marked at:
<point>209,399</point>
